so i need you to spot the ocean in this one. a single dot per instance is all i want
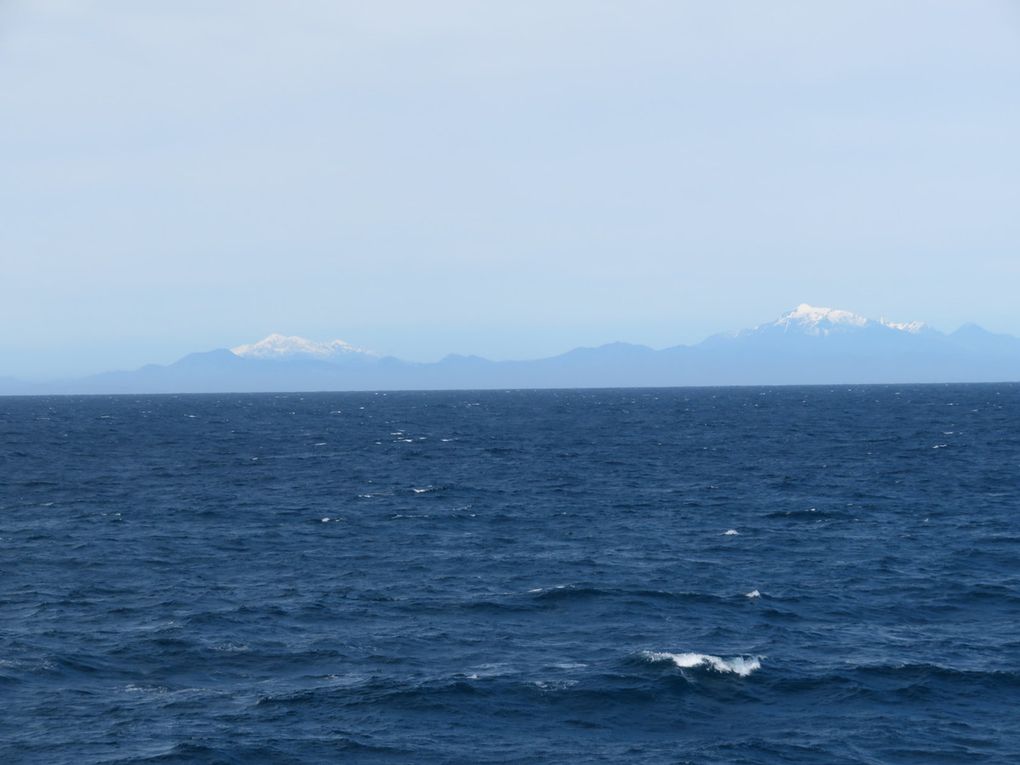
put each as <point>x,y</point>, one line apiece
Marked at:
<point>729,575</point>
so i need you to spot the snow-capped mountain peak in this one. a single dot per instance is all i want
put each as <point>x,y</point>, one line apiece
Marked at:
<point>814,320</point>
<point>913,327</point>
<point>820,320</point>
<point>277,346</point>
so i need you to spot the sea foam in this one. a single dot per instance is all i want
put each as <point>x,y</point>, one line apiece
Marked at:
<point>737,665</point>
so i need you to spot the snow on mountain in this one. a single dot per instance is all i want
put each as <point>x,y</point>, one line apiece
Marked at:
<point>808,345</point>
<point>817,320</point>
<point>813,320</point>
<point>911,327</point>
<point>279,347</point>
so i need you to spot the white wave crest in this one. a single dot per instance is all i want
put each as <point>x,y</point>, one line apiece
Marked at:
<point>737,665</point>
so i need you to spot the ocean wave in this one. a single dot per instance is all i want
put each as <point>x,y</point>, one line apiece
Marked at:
<point>909,681</point>
<point>929,671</point>
<point>737,665</point>
<point>244,753</point>
<point>425,489</point>
<point>570,592</point>
<point>811,514</point>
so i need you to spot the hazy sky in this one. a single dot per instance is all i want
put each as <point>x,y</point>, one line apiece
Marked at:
<point>510,179</point>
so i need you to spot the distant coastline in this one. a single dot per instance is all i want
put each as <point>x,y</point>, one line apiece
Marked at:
<point>806,346</point>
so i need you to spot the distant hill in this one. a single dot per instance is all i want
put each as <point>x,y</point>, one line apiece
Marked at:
<point>808,345</point>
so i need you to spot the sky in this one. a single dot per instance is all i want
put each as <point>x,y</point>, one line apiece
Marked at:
<point>506,179</point>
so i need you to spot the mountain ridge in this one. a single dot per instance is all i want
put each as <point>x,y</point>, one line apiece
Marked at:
<point>808,345</point>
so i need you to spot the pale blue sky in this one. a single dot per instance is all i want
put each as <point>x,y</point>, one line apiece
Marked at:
<point>508,179</point>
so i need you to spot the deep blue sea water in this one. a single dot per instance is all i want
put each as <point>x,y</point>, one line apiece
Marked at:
<point>786,575</point>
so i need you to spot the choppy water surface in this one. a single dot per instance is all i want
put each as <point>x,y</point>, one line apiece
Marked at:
<point>812,575</point>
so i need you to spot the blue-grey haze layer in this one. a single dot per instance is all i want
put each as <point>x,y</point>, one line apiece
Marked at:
<point>791,351</point>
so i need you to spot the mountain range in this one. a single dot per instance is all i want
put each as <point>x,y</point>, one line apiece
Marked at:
<point>807,345</point>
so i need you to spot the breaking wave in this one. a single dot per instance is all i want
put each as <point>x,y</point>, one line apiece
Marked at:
<point>737,665</point>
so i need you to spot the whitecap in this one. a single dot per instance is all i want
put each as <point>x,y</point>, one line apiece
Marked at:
<point>731,533</point>
<point>737,665</point>
<point>150,689</point>
<point>325,520</point>
<point>229,647</point>
<point>554,685</point>
<point>495,669</point>
<point>753,594</point>
<point>422,491</point>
